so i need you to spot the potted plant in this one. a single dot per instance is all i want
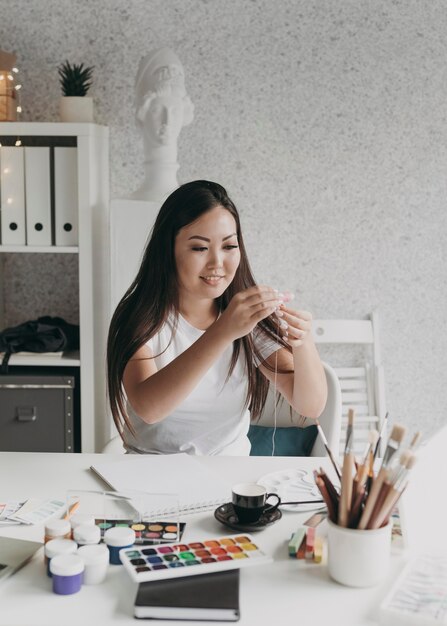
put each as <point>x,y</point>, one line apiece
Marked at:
<point>75,105</point>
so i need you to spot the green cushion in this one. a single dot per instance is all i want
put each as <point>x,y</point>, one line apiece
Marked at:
<point>288,441</point>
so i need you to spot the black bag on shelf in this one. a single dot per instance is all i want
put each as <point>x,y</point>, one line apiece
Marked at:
<point>46,334</point>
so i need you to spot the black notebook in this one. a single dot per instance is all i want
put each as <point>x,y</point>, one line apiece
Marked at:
<point>204,597</point>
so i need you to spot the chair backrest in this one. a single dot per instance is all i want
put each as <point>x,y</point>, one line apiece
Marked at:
<point>114,446</point>
<point>330,419</point>
<point>362,383</point>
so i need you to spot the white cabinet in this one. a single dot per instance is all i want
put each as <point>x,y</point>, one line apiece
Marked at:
<point>93,289</point>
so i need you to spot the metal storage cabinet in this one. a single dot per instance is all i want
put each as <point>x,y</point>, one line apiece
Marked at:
<point>36,413</point>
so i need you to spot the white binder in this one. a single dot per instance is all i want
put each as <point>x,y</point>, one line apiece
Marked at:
<point>12,196</point>
<point>66,196</point>
<point>38,196</point>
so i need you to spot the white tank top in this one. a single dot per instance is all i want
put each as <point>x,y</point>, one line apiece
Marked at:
<point>212,420</point>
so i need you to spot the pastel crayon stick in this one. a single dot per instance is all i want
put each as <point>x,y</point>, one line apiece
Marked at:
<point>296,540</point>
<point>310,543</point>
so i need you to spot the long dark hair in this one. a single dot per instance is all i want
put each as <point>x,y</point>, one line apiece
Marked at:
<point>153,294</point>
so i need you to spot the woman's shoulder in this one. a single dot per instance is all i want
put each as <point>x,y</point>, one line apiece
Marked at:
<point>166,329</point>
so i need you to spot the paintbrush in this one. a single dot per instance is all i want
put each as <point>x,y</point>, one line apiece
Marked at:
<point>349,429</point>
<point>381,433</point>
<point>328,450</point>
<point>393,494</point>
<point>329,485</point>
<point>332,510</point>
<point>397,434</point>
<point>363,468</point>
<point>347,474</point>
<point>393,476</point>
<point>416,440</point>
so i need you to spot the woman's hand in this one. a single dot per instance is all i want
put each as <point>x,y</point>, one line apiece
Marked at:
<point>294,326</point>
<point>247,308</point>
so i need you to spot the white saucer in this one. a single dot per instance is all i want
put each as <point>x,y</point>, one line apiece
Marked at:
<point>293,485</point>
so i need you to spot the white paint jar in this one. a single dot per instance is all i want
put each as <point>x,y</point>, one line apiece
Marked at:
<point>56,547</point>
<point>81,518</point>
<point>86,534</point>
<point>96,563</point>
<point>57,529</point>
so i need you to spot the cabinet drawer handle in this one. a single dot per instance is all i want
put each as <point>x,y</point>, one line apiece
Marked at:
<point>30,386</point>
<point>26,414</point>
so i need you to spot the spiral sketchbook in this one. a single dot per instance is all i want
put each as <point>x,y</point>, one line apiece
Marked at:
<point>197,489</point>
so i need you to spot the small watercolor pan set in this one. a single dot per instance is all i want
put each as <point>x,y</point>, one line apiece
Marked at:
<point>146,533</point>
<point>189,559</point>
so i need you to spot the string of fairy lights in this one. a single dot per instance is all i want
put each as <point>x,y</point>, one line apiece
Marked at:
<point>14,92</point>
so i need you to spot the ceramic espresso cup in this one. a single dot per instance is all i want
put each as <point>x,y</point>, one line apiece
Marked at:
<point>250,502</point>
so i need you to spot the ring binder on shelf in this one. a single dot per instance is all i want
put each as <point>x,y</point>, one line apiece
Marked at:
<point>12,195</point>
<point>66,196</point>
<point>38,196</point>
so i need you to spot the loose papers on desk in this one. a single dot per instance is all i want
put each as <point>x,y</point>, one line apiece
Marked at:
<point>31,511</point>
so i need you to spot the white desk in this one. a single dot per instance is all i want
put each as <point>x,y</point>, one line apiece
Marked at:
<point>286,592</point>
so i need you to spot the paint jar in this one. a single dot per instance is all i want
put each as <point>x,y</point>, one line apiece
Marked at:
<point>81,518</point>
<point>358,558</point>
<point>56,547</point>
<point>86,534</point>
<point>57,529</point>
<point>116,539</point>
<point>96,562</point>
<point>67,571</point>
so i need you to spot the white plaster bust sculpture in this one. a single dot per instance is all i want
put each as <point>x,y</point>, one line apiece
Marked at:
<point>162,109</point>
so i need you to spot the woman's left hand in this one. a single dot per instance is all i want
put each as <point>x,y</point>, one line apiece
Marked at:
<point>295,326</point>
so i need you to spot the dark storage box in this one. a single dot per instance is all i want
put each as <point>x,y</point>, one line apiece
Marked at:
<point>36,413</point>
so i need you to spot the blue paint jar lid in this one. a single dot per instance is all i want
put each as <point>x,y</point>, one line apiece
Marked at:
<point>66,565</point>
<point>119,537</point>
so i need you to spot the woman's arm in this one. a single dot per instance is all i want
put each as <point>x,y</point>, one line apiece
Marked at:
<point>154,394</point>
<point>305,387</point>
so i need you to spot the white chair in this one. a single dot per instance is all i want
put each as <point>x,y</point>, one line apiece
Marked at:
<point>114,446</point>
<point>330,419</point>
<point>361,375</point>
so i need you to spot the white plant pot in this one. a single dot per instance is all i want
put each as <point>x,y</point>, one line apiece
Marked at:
<point>76,109</point>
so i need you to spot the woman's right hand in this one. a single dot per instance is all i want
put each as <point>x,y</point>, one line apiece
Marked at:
<point>246,309</point>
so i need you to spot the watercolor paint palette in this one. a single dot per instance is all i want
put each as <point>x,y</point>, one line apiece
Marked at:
<point>189,559</point>
<point>147,533</point>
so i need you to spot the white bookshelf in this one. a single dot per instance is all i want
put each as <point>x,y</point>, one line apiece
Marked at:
<point>93,270</point>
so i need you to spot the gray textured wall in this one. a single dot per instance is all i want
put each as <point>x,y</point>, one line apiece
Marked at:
<point>326,120</point>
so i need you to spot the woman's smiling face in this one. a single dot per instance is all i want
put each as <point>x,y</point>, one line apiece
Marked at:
<point>207,255</point>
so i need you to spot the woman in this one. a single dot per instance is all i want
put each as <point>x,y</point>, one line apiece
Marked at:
<point>194,343</point>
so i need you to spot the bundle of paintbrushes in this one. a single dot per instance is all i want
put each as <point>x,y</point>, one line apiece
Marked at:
<point>366,499</point>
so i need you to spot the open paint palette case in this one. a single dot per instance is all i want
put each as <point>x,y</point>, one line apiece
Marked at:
<point>153,517</point>
<point>146,532</point>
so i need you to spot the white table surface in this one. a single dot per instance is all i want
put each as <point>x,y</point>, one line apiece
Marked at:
<point>287,591</point>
